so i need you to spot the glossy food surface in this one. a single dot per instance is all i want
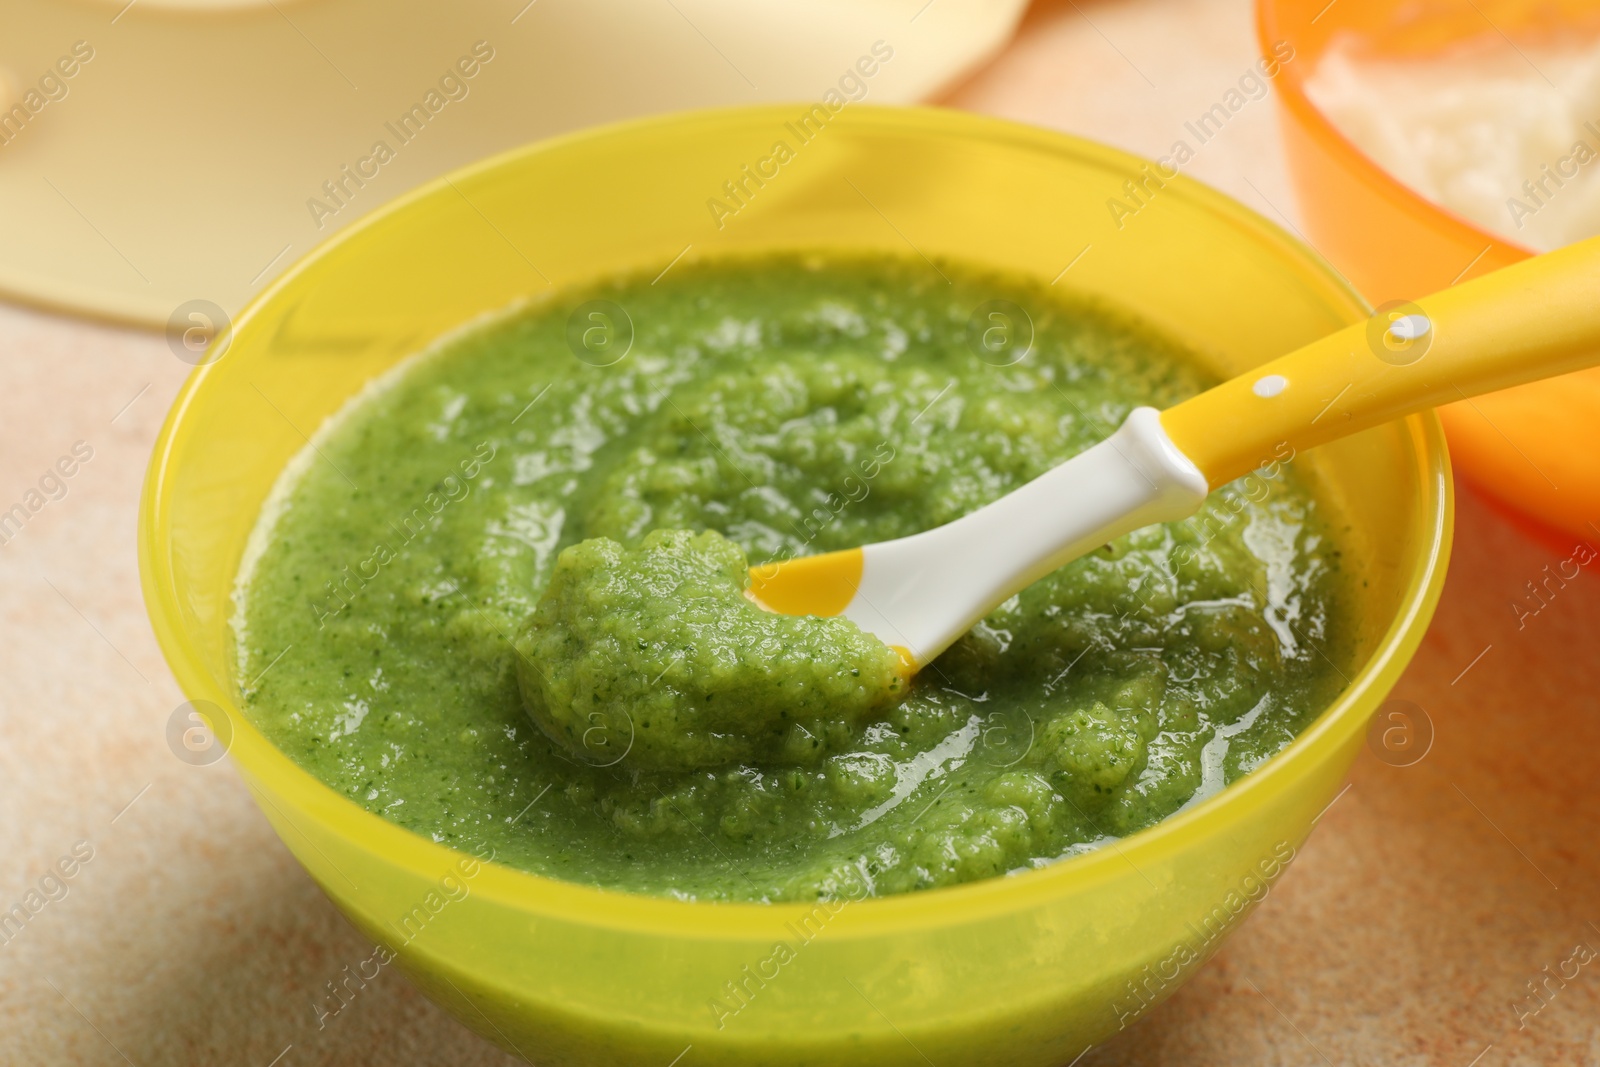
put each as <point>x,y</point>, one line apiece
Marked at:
<point>794,406</point>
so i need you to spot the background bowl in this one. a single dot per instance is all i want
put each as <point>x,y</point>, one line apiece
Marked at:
<point>1529,447</point>
<point>1019,970</point>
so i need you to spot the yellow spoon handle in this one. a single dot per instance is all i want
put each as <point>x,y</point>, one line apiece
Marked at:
<point>1536,319</point>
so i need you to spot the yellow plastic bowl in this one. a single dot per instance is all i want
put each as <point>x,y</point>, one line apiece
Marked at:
<point>1019,970</point>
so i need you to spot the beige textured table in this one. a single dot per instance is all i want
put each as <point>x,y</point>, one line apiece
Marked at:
<point>1407,933</point>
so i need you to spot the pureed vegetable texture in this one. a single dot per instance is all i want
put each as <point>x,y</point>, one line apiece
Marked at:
<point>794,406</point>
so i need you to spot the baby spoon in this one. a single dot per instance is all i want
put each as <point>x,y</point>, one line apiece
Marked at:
<point>1535,319</point>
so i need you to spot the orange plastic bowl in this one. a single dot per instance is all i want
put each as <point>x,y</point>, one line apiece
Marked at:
<point>1528,447</point>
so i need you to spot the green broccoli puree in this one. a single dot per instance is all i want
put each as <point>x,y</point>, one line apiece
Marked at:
<point>656,656</point>
<point>583,478</point>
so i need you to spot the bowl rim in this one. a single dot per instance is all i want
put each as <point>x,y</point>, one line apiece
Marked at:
<point>1294,98</point>
<point>620,910</point>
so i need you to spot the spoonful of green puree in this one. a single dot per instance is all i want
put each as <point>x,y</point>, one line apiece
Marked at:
<point>657,654</point>
<point>661,654</point>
